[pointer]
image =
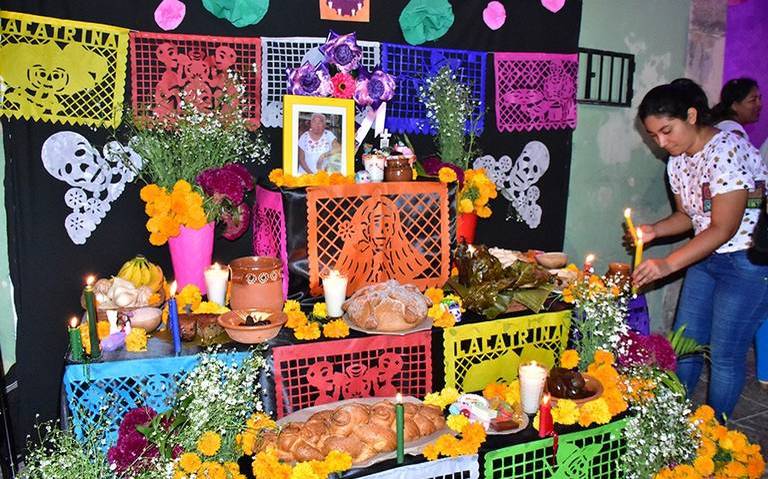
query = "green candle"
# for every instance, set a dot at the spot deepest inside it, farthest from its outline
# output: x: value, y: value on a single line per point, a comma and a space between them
x: 75, y: 343
x: 90, y: 307
x: 399, y: 418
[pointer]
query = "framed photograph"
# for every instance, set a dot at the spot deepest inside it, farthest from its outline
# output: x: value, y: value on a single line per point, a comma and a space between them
x: 318, y: 134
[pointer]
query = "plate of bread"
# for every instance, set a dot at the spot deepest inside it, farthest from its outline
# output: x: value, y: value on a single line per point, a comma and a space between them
x: 388, y: 308
x: 365, y: 428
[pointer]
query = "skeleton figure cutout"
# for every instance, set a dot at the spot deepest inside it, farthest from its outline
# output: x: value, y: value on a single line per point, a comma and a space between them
x: 96, y: 179
x: 377, y: 249
x: 517, y: 181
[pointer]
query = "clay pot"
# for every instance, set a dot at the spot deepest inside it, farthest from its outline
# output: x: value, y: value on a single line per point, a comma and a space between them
x: 398, y: 169
x: 257, y: 283
x: 619, y: 272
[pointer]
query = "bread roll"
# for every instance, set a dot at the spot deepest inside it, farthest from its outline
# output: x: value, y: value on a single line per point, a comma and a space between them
x: 383, y: 414
x: 387, y: 307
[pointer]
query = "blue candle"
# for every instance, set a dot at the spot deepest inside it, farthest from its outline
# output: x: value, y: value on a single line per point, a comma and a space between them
x: 173, y: 320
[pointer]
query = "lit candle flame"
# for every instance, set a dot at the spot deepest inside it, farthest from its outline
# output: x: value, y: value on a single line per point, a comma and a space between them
x: 89, y: 280
x: 399, y: 398
x: 545, y: 398
x: 628, y: 213
x: 215, y: 266
x: 173, y: 289
x: 73, y: 322
x: 590, y: 259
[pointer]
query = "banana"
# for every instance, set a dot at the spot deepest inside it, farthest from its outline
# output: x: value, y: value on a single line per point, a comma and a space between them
x: 140, y: 272
x: 156, y: 277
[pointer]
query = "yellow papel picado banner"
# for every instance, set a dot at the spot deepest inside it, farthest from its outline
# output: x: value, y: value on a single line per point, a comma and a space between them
x: 61, y: 71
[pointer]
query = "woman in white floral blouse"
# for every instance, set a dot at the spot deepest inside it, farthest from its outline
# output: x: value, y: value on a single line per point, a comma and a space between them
x: 718, y: 181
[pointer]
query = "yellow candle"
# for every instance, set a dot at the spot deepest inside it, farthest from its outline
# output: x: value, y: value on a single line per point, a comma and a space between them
x: 639, y: 248
x: 630, y: 225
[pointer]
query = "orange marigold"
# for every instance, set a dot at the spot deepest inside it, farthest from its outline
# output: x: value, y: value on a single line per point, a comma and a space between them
x: 484, y: 212
x: 495, y: 391
x: 336, y: 329
x: 569, y: 359
x: 704, y: 465
x: 276, y: 177
x: 446, y: 175
x: 307, y: 331
x: 151, y: 192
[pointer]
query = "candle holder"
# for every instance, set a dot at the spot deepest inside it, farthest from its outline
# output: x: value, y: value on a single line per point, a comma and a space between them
x: 335, y: 292
x: 216, y: 280
x: 532, y: 378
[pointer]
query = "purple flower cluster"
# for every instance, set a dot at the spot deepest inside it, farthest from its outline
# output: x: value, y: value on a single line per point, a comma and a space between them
x: 227, y: 186
x: 309, y: 80
x: 342, y: 51
x: 132, y: 447
x: 653, y: 350
x: 343, y: 55
x: 374, y: 88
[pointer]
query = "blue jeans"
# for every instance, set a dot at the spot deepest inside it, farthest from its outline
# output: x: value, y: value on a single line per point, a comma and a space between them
x: 761, y: 351
x: 724, y: 299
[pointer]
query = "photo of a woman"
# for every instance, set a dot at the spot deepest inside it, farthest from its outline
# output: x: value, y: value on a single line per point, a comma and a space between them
x: 318, y: 146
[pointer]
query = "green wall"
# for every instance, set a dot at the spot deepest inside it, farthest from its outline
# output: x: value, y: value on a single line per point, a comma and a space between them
x: 612, y: 168
x: 7, y: 314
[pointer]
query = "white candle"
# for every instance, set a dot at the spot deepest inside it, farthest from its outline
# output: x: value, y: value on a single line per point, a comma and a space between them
x: 216, y: 281
x: 532, y: 378
x: 335, y: 292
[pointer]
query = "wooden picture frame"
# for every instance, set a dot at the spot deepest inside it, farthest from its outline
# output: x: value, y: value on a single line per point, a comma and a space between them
x: 318, y: 134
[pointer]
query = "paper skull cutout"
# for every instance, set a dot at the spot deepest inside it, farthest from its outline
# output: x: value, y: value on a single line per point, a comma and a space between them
x: 517, y: 181
x: 96, y: 179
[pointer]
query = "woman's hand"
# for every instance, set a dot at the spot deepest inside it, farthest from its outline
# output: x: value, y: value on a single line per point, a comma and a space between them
x: 648, y: 232
x: 651, y: 270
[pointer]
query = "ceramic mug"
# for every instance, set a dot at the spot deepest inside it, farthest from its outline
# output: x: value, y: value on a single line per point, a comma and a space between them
x: 374, y: 165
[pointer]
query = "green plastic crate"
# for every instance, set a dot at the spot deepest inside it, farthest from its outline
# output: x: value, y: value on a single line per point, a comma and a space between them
x: 588, y: 454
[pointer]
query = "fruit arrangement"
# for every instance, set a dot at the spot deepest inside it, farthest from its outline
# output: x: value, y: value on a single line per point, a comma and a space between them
x: 141, y: 272
x: 138, y: 283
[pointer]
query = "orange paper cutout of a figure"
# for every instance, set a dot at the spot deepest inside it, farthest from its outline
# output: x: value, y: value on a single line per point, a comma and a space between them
x: 378, y: 249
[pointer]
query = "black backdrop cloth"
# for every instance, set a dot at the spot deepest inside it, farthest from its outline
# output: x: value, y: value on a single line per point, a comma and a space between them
x: 48, y: 270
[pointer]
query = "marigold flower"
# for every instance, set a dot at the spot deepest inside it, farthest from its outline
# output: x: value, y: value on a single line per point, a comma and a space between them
x: 434, y: 294
x: 190, y: 462
x: 457, y: 422
x: 336, y: 329
x: 338, y: 461
x: 495, y: 391
x: 569, y: 359
x: 704, y: 465
x: 484, y: 212
x: 446, y: 320
x: 276, y: 177
x: 320, y: 310
x: 565, y: 412
x: 136, y: 340
x: 296, y: 319
x: 209, y: 443
x: 291, y: 305
x: 705, y: 413
x: 307, y: 331
x: 466, y: 206
x: 446, y: 175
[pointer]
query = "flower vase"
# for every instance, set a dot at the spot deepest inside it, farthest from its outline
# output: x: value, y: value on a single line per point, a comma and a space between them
x: 466, y: 225
x: 191, y: 254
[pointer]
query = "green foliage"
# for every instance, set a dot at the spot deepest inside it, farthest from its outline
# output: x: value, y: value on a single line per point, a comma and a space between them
x: 684, y: 346
x: 451, y: 110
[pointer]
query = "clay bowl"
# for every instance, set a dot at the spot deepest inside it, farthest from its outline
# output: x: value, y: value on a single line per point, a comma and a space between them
x: 552, y: 260
x: 146, y: 318
x: 591, y: 384
x: 232, y: 322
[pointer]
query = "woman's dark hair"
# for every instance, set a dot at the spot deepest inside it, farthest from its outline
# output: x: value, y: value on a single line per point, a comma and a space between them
x: 733, y: 91
x: 674, y: 99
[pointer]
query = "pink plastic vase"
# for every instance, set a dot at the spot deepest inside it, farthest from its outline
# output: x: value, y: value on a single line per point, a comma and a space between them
x: 191, y: 254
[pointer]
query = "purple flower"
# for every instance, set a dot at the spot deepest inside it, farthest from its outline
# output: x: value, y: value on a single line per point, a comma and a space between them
x: 374, y: 88
x: 236, y: 222
x: 653, y: 350
x: 135, y: 417
x: 342, y: 51
x: 229, y: 182
x: 433, y: 163
x: 129, y: 449
x: 308, y: 80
